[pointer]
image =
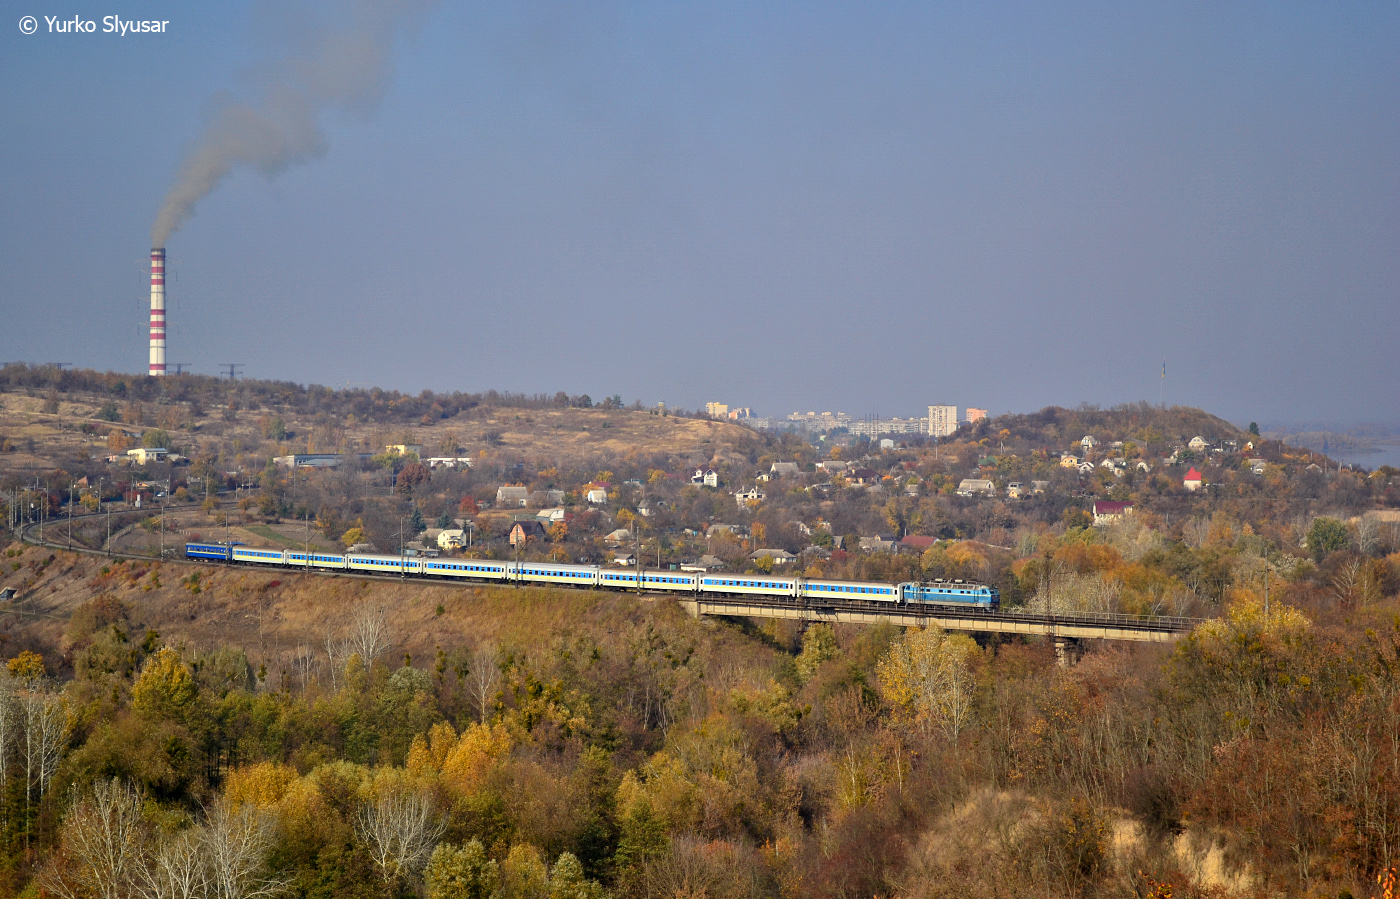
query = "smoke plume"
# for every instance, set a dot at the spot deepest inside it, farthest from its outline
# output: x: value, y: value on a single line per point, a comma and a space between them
x: 341, y: 62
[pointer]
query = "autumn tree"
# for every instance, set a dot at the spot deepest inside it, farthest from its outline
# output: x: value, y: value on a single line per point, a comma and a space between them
x: 462, y: 872
x: 927, y: 678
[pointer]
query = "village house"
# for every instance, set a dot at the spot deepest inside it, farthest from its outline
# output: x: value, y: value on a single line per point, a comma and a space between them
x: 1192, y: 481
x: 752, y: 495
x: 522, y: 532
x: 308, y: 460
x: 976, y: 487
x: 878, y: 543
x: 1197, y: 443
x: 917, y: 543
x: 784, y: 470
x: 706, y: 477
x: 1106, y: 511
x: 779, y: 556
x: 451, y: 538
x: 549, y: 516
x: 449, y: 462
x: 596, y: 494
x: 512, y: 497
x: 144, y: 454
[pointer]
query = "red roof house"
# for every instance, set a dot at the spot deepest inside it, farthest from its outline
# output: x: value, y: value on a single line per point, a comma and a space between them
x: 1192, y: 481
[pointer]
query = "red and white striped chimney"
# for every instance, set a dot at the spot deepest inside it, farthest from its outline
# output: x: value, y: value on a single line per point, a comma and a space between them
x: 158, y: 312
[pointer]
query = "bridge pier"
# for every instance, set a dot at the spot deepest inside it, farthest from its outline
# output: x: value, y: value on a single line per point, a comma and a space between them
x: 1068, y: 651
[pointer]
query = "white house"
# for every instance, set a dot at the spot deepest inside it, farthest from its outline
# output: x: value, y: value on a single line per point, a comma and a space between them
x: 143, y: 454
x: 596, y: 495
x: 1089, y: 441
x: 449, y: 462
x: 451, y: 538
x: 549, y: 516
x: 1197, y: 443
x: 976, y: 487
x: 752, y: 495
x: 706, y: 476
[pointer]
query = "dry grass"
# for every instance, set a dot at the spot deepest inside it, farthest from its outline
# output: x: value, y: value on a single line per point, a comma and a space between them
x: 551, y: 436
x: 274, y: 614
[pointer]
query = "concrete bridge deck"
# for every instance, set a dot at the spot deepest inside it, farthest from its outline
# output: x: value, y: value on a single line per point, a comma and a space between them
x: 1070, y: 627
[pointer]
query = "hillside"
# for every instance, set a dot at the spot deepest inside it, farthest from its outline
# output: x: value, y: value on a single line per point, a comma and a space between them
x: 278, y: 617
x: 1150, y: 426
x: 54, y: 419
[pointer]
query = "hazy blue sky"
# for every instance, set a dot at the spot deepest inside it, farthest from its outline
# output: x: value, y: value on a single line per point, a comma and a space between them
x: 865, y: 207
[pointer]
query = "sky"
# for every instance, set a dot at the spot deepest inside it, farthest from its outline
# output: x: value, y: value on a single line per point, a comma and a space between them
x: 809, y: 206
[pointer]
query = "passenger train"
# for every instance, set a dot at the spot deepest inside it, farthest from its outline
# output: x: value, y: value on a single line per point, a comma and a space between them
x: 943, y: 593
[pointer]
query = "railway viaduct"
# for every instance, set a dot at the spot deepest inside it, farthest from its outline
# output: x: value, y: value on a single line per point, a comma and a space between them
x: 1067, y: 631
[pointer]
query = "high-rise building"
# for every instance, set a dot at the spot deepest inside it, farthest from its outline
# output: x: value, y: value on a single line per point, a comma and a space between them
x: 717, y: 410
x: 975, y: 414
x: 942, y: 420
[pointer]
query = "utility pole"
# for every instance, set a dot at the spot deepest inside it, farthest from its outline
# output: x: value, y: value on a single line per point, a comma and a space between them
x: 402, y: 521
x: 307, y: 555
x: 70, y: 515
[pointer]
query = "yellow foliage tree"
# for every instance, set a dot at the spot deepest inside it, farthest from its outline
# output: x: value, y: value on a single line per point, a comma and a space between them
x: 478, y: 750
x: 927, y: 679
x: 427, y: 755
x: 27, y: 665
x: 166, y: 688
x: 261, y: 786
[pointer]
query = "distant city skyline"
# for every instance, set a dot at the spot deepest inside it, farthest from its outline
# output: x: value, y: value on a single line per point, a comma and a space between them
x: 825, y: 206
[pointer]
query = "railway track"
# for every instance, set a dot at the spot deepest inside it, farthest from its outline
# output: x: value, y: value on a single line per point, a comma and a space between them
x: 1082, y: 626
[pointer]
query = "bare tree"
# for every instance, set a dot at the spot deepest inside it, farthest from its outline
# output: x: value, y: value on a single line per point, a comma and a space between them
x: 45, y: 731
x: 10, y: 723
x: 177, y: 869
x: 337, y: 653
x: 104, y: 838
x: 484, y: 678
x: 1370, y: 535
x: 1355, y: 584
x: 304, y: 661
x: 400, y: 830
x: 236, y: 844
x: 369, y: 632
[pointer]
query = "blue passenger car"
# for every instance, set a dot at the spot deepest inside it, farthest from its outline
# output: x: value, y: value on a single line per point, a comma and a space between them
x: 221, y: 551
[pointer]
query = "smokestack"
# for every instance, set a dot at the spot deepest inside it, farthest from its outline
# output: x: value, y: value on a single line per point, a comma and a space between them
x: 158, y: 312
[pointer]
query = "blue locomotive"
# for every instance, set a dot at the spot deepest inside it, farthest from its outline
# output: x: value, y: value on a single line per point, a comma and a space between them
x: 965, y: 594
